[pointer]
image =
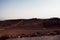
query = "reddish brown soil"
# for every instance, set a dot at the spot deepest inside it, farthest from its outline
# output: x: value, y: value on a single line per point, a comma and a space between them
x: 29, y: 26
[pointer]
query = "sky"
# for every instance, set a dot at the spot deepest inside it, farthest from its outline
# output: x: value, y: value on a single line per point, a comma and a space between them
x: 23, y: 9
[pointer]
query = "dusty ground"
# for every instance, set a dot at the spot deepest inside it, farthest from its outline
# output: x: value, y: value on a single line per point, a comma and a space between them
x: 56, y: 37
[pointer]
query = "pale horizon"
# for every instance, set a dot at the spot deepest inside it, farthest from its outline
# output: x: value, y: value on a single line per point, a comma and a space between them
x: 25, y: 9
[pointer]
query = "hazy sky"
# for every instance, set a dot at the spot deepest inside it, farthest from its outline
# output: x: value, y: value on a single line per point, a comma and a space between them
x: 11, y: 9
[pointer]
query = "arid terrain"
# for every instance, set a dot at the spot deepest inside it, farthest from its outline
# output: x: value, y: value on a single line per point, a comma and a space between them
x: 56, y: 37
x: 30, y: 27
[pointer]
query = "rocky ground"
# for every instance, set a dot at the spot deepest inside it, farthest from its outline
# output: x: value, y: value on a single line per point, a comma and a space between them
x: 56, y: 37
x: 30, y: 28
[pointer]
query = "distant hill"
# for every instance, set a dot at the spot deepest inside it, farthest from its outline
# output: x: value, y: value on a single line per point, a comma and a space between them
x: 33, y: 23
